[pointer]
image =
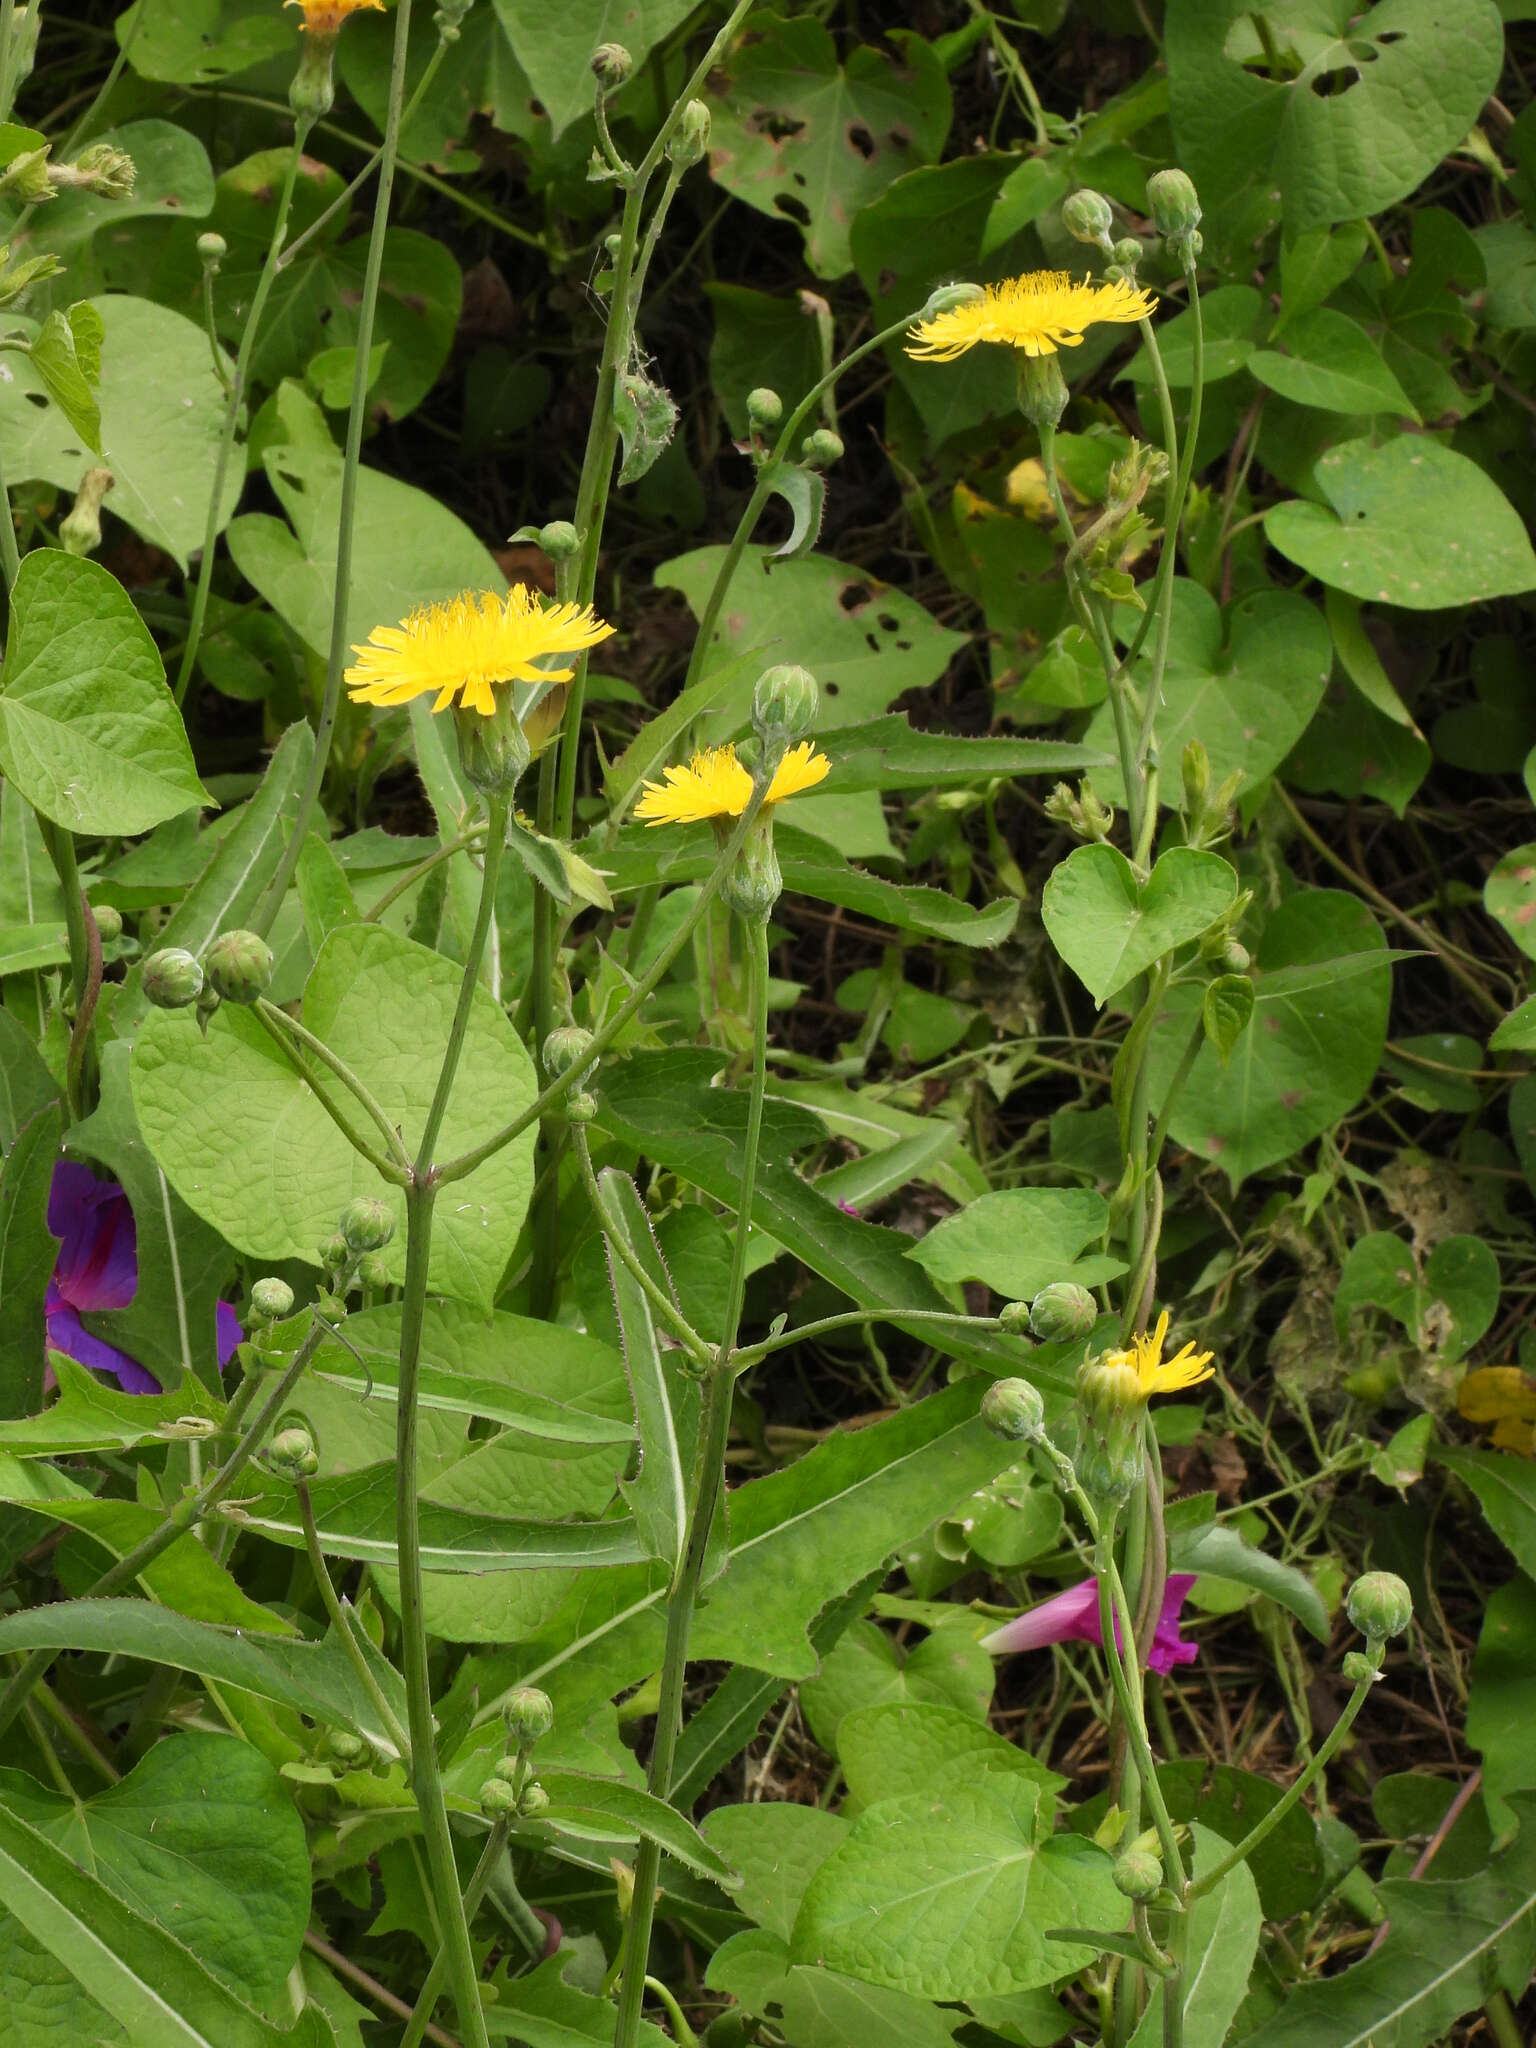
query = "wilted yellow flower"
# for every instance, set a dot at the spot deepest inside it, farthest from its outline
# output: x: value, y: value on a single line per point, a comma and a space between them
x: 1144, y: 1359
x: 1039, y: 313
x: 324, y: 17
x: 463, y: 649
x: 716, y: 785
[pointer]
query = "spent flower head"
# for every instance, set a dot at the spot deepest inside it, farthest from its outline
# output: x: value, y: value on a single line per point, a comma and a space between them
x: 465, y: 649
x: 1037, y: 314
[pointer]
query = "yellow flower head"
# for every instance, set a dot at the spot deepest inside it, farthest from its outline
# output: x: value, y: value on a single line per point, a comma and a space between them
x: 1144, y: 1358
x: 324, y: 17
x: 716, y: 785
x: 1038, y: 314
x: 463, y: 649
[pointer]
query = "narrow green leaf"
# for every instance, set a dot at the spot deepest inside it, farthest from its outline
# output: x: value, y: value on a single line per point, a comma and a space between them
x: 28, y: 1250
x: 658, y: 1495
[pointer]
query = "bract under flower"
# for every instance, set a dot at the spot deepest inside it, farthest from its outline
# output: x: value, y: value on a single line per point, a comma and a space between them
x: 1039, y: 313
x: 715, y: 784
x: 1073, y: 1617
x: 468, y: 647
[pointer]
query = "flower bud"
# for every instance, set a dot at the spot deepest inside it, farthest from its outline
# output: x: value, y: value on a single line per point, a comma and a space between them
x: 212, y: 249
x: 1127, y: 253
x: 1235, y: 957
x: 373, y: 1272
x: 271, y: 1300
x: 1173, y: 204
x: 101, y: 169
x: 1014, y: 1317
x: 1360, y: 1668
x: 559, y: 540
x: 497, y: 1798
x: 366, y: 1224
x: 765, y: 408
x: 1379, y: 1605
x: 1086, y: 216
x: 109, y: 922
x: 512, y: 1768
x: 532, y: 1801
x: 293, y: 1451
x: 611, y: 65
x: 753, y: 883
x: 1137, y: 1874
x: 581, y: 1107
x: 565, y: 1050
x: 529, y: 1715
x: 345, y: 1747
x: 691, y: 137
x: 172, y: 979
x: 784, y: 706
x: 80, y: 528
x: 1042, y: 391
x: 821, y: 449
x: 239, y: 966
x: 1063, y: 1312
x: 1013, y: 1410
x: 334, y: 1253
x: 26, y: 179
x: 946, y: 297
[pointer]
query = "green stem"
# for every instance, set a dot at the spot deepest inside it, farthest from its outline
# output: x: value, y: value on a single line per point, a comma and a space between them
x: 346, y: 519
x: 285, y: 1045
x: 762, y: 490
x: 456, y: 1169
x: 757, y: 1003
x: 805, y: 1333
x: 232, y: 408
x: 1125, y: 1677
x: 715, y: 1431
x: 184, y: 1516
x: 1327, y: 1749
x: 7, y: 45
x: 420, y: 1198
x: 279, y: 1020
x: 470, y: 837
x: 426, y: 1778
x: 474, y: 1892
x: 343, y: 1623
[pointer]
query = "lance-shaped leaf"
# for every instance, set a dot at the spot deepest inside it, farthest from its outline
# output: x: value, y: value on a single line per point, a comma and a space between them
x: 91, y: 1415
x: 658, y: 1494
x: 27, y: 1253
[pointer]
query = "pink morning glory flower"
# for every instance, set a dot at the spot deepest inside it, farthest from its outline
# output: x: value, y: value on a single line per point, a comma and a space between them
x: 98, y: 1268
x: 1073, y: 1617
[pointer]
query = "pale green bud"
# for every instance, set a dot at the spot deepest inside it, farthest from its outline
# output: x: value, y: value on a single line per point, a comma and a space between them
x: 611, y: 65
x: 1379, y: 1605
x: 946, y: 297
x: 691, y: 139
x: 1086, y: 216
x: 566, y: 1049
x: 1359, y: 1668
x: 785, y: 702
x: 821, y: 449
x: 1063, y: 1312
x: 1013, y: 1410
x: 529, y: 1715
x: 1137, y: 1874
x: 1173, y: 204
x: 533, y: 1801
x: 765, y: 408
x: 293, y: 1451
x: 497, y: 1798
x: 172, y: 979
x: 366, y: 1224
x: 239, y: 966
x: 271, y: 1300
x: 212, y: 249
x: 109, y: 922
x: 559, y: 540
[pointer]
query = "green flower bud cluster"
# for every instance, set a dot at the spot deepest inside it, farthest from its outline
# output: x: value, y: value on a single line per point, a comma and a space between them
x: 1085, y: 815
x: 292, y: 1452
x: 351, y: 1256
x: 511, y: 1790
x: 237, y: 968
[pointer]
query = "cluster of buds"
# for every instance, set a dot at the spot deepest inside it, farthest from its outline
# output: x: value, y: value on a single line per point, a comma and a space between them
x: 341, y: 1751
x: 1059, y: 1314
x: 236, y: 968
x: 1122, y: 531
x: 292, y: 1452
x: 1207, y: 809
x: 512, y: 1792
x: 1085, y: 815
x: 1175, y: 208
x: 351, y: 1256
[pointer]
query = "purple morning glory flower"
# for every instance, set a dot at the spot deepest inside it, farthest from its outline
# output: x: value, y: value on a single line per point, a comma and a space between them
x: 1073, y: 1617
x: 98, y: 1268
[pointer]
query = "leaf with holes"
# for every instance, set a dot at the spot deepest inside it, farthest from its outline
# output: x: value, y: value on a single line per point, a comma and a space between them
x: 803, y: 138
x: 1444, y: 1310
x: 1412, y: 523
x: 1365, y: 105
